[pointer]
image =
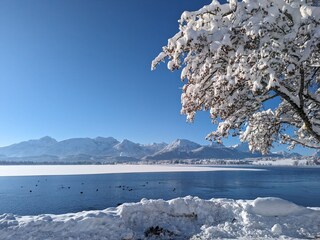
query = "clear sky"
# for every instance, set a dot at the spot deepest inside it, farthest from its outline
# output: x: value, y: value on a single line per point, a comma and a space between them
x: 81, y: 68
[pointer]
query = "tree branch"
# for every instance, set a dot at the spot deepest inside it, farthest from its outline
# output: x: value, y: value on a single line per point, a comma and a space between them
x: 300, y: 112
x: 299, y: 142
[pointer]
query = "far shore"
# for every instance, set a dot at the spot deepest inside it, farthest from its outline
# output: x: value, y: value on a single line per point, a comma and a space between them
x: 50, y: 170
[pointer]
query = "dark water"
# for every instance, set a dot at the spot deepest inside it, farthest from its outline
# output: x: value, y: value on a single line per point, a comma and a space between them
x: 62, y: 194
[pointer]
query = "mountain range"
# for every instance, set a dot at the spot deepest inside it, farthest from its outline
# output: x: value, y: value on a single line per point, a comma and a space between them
x: 100, y: 148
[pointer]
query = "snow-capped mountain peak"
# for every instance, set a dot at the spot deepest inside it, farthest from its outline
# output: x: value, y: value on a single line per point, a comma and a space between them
x: 126, y: 144
x: 112, y: 148
x: 216, y: 145
x: 243, y: 147
x: 46, y: 140
x: 182, y: 145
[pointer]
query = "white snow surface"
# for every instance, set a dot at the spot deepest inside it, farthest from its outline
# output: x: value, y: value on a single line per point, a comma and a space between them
x: 275, y: 207
x: 46, y: 170
x: 281, y: 162
x: 180, y: 218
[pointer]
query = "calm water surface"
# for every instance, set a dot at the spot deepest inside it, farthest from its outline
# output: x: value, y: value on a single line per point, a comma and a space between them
x: 63, y: 194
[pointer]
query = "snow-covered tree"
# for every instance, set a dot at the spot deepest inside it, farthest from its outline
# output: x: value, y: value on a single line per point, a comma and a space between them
x: 237, y: 56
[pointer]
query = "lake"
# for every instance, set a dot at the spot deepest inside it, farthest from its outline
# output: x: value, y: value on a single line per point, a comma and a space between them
x: 32, y: 195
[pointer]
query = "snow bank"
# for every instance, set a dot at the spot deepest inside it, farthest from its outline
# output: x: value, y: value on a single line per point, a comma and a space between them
x: 275, y: 207
x: 180, y: 218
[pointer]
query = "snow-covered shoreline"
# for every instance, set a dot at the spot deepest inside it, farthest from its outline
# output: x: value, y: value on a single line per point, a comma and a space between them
x: 47, y: 170
x: 180, y: 218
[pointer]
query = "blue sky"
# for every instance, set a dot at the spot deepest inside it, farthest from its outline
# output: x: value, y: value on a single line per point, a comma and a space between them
x: 82, y: 69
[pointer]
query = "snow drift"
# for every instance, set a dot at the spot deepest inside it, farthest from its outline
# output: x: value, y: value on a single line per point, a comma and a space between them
x: 180, y: 218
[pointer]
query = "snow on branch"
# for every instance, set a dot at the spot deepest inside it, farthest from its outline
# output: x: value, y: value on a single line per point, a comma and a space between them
x: 236, y: 56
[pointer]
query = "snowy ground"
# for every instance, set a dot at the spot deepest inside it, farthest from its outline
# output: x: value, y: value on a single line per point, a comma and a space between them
x: 282, y: 162
x: 181, y: 218
x: 46, y: 170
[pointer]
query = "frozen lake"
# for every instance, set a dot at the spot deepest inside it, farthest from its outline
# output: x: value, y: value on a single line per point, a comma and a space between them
x: 27, y: 195
x: 49, y: 170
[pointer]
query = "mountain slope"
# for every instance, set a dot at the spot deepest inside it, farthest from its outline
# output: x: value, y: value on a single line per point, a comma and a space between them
x: 179, y: 149
x: 243, y: 147
x: 29, y: 148
x: 218, y: 153
x: 185, y: 149
x: 127, y: 148
x: 100, y: 146
x: 181, y: 145
x: 75, y: 146
x: 108, y: 148
x: 130, y: 149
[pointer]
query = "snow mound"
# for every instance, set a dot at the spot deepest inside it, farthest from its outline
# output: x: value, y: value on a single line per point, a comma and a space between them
x: 275, y: 207
x: 180, y: 218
